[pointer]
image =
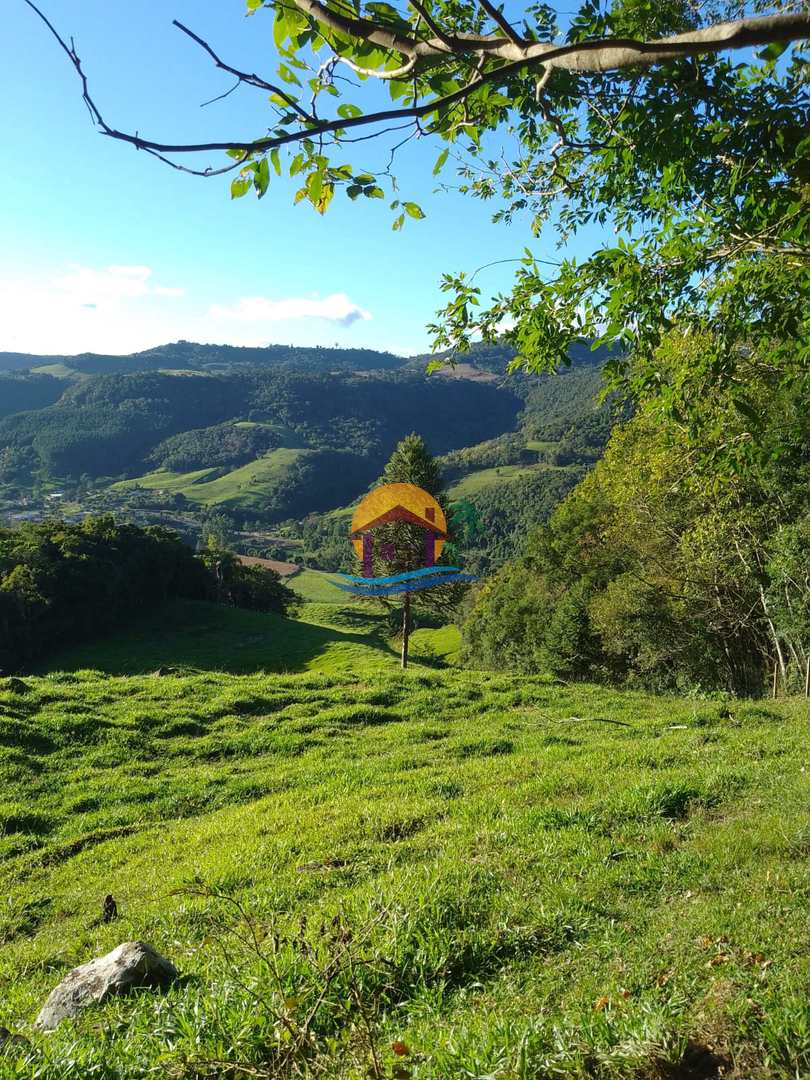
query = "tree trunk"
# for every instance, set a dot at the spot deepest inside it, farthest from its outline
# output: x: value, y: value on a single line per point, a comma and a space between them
x: 779, y: 655
x: 406, y: 629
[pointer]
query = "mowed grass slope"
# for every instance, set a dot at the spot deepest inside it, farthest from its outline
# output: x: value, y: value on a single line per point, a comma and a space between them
x: 248, y: 485
x: 481, y: 479
x: 434, y: 874
x: 192, y: 635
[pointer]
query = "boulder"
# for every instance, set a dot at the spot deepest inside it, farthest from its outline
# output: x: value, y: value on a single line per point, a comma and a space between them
x: 132, y: 965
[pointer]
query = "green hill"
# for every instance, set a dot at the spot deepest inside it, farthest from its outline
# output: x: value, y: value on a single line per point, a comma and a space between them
x: 201, y: 636
x: 249, y: 486
x: 434, y: 874
x: 188, y: 355
x: 480, y: 479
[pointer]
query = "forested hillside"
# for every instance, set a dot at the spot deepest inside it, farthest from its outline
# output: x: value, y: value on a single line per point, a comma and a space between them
x: 115, y: 424
x: 63, y: 583
x: 678, y: 562
x: 22, y: 391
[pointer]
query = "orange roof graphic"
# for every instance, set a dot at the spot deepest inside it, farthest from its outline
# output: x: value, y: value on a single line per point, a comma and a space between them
x: 398, y: 502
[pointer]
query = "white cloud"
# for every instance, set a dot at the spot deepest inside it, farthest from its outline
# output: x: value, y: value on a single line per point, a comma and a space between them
x: 86, y: 285
x: 115, y: 309
x: 121, y: 309
x: 337, y: 308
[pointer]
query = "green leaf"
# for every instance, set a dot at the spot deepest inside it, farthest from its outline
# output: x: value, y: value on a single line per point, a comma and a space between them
x: 747, y: 409
x: 281, y: 27
x: 440, y: 160
x: 288, y: 76
x: 773, y: 51
x: 374, y: 193
x: 398, y: 223
x: 261, y: 179
x: 253, y: 5
x: 315, y: 186
x: 276, y: 160
x: 324, y: 197
x: 348, y: 111
x: 414, y: 211
x: 239, y: 187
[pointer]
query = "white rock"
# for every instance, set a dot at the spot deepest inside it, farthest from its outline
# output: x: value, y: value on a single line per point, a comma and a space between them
x: 133, y: 964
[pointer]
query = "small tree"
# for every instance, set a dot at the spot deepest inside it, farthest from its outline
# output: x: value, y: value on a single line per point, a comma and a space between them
x: 401, y: 545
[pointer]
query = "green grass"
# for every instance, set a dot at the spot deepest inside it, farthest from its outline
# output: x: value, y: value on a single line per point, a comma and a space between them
x: 195, y: 636
x: 248, y: 486
x: 164, y: 480
x: 442, y: 644
x: 505, y: 877
x: 477, y: 481
x: 541, y: 444
x: 316, y: 585
x: 59, y: 371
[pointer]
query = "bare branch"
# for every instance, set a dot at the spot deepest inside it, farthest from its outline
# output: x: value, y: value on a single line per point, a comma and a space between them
x: 243, y: 76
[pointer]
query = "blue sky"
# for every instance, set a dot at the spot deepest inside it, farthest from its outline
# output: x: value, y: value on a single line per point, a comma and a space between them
x: 104, y: 249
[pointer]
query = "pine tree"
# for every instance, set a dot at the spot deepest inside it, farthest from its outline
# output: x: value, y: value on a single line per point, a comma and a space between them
x: 410, y: 463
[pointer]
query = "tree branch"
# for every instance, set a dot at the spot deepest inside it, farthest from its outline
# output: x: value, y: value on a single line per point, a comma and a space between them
x: 604, y: 54
x: 243, y: 76
x: 498, y: 18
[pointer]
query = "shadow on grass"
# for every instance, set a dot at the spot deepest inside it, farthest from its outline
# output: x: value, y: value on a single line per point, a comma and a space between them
x: 196, y: 636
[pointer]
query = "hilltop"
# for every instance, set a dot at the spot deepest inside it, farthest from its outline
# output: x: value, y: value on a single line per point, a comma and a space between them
x: 360, y: 871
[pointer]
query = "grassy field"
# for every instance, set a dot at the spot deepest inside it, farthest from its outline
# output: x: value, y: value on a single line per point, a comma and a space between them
x: 426, y: 875
x: 248, y: 485
x: 477, y: 481
x: 195, y: 636
x: 316, y: 585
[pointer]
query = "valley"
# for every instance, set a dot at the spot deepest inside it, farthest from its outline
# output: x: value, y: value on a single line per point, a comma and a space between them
x: 265, y: 447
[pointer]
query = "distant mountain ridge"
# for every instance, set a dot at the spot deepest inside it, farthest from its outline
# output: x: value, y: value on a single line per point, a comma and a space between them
x: 192, y: 356
x: 266, y: 436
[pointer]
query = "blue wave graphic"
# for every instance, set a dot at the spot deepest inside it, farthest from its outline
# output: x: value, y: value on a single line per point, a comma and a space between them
x: 374, y: 586
x: 407, y: 575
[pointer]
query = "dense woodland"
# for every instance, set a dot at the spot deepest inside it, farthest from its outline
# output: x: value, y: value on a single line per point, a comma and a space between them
x: 95, y: 429
x: 673, y: 563
x: 63, y: 583
x: 676, y: 563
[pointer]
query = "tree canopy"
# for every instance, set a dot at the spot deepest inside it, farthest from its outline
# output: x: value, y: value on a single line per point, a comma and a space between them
x: 655, y: 572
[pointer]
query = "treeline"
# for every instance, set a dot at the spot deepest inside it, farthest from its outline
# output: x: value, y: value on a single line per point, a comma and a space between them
x: 508, y: 512
x: 682, y: 561
x: 61, y: 583
x: 227, y: 445
x: 498, y: 520
x: 509, y: 449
